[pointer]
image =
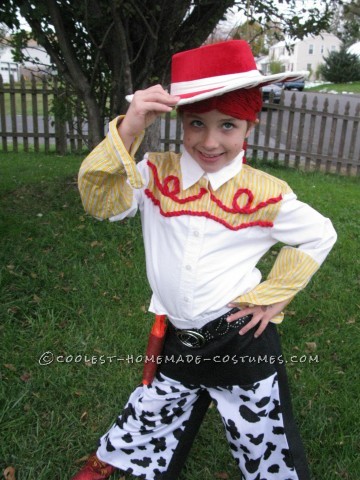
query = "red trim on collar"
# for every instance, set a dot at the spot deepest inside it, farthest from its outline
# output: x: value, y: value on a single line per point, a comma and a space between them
x: 170, y: 187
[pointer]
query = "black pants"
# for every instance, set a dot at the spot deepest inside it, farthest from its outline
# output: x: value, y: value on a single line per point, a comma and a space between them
x: 246, y: 379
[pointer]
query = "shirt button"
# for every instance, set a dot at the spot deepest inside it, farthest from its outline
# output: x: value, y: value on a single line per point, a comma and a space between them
x: 196, y: 233
x: 188, y: 267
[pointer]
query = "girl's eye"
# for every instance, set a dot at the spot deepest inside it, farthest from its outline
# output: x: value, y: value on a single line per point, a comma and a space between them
x: 228, y: 126
x: 197, y: 123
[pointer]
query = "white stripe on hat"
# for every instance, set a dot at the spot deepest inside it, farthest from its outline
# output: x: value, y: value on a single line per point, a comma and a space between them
x: 220, y: 81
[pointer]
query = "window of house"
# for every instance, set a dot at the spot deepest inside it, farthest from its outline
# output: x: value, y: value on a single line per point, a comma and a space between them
x: 322, y: 49
x: 333, y: 48
x: 308, y: 66
x: 311, y: 49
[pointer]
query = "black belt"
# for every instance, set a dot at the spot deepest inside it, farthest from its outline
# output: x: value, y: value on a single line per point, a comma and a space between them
x: 198, y: 337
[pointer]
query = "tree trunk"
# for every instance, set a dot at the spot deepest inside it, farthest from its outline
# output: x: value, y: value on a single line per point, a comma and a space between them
x: 151, y: 142
x: 95, y: 122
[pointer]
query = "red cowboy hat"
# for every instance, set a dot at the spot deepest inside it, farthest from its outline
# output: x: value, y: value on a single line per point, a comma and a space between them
x: 215, y: 69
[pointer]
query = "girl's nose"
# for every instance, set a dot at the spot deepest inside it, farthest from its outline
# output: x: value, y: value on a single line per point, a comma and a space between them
x: 210, y: 141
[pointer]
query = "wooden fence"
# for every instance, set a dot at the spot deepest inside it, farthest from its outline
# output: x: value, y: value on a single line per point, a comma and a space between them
x: 301, y: 130
x: 30, y: 118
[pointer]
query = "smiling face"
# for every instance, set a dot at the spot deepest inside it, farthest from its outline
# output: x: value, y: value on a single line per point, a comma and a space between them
x: 213, y: 138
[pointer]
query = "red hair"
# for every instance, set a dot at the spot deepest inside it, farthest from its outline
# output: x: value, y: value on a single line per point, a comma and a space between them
x: 243, y: 103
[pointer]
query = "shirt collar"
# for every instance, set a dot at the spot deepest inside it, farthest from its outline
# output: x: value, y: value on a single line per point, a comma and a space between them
x: 191, y: 172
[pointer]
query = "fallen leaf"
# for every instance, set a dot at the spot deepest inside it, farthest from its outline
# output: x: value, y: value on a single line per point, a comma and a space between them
x: 222, y: 475
x: 95, y: 243
x: 13, y: 309
x: 84, y: 416
x: 350, y: 321
x: 311, y: 346
x: 9, y: 473
x: 82, y: 459
x: 36, y: 299
x: 10, y: 366
x: 25, y: 377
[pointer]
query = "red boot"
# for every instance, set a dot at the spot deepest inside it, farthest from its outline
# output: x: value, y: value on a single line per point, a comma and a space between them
x: 94, y: 469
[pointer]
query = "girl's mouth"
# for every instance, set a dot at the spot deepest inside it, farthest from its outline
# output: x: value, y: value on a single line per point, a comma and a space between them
x: 209, y: 157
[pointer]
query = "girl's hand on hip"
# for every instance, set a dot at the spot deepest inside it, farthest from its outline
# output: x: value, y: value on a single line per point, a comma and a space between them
x: 262, y: 314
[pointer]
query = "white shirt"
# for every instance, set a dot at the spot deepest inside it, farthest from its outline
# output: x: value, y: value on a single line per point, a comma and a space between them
x: 195, y: 266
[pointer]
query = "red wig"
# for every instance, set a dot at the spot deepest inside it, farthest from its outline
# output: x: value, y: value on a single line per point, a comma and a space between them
x: 244, y: 104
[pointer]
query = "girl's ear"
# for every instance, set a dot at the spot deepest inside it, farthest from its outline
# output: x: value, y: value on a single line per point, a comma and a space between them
x: 250, y: 126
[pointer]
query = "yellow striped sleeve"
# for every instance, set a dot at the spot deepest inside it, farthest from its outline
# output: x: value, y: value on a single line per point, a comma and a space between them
x: 291, y: 272
x: 103, y: 176
x: 122, y: 155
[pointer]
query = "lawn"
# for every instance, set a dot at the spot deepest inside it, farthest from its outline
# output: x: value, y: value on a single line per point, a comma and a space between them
x: 76, y: 287
x: 351, y: 87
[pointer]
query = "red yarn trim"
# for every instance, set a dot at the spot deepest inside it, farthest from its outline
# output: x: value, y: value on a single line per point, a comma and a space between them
x: 170, y: 187
x: 165, y: 187
x: 256, y: 223
x: 247, y: 209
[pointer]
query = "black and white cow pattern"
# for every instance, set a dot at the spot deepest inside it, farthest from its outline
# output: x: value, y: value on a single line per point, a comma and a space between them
x: 146, y: 434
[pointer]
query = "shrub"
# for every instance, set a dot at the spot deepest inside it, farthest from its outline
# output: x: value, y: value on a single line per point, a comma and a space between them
x: 341, y: 67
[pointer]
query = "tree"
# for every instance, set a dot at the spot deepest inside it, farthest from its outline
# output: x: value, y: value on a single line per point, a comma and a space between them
x: 253, y: 33
x: 346, y: 22
x: 276, y: 66
x: 351, y: 32
x: 106, y: 49
x: 341, y: 67
x: 3, y: 34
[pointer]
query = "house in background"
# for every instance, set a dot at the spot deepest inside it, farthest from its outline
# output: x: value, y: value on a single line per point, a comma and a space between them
x: 7, y: 65
x: 354, y: 49
x: 306, y: 54
x: 38, y: 63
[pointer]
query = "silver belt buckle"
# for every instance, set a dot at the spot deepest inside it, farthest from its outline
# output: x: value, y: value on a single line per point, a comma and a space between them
x: 190, y: 338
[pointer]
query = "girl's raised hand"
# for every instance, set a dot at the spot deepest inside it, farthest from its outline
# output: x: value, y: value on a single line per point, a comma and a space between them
x: 144, y: 108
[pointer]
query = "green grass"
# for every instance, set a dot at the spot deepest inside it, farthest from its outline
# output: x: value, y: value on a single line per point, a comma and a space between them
x: 77, y: 287
x: 351, y: 87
